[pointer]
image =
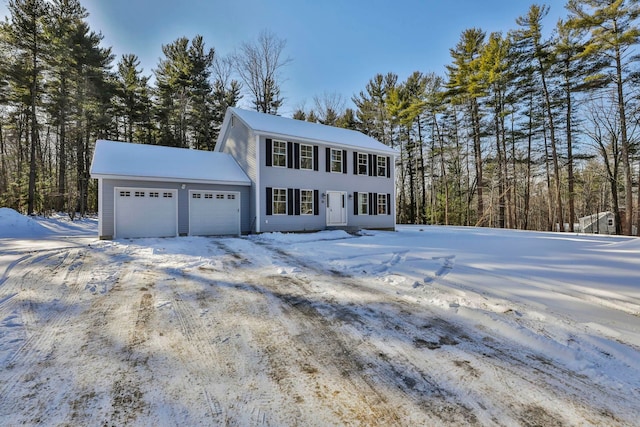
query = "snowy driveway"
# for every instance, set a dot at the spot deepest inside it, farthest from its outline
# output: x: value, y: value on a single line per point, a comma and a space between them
x: 421, y: 327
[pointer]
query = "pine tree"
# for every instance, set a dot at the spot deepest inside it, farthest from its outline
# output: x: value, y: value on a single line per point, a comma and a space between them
x: 466, y: 88
x: 133, y: 97
x: 612, y: 33
x: 28, y: 41
x: 530, y: 38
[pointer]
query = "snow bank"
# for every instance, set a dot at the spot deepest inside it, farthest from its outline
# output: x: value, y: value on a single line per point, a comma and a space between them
x: 14, y: 224
x: 278, y: 237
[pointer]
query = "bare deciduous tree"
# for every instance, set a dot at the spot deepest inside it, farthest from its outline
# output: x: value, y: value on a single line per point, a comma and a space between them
x: 259, y: 65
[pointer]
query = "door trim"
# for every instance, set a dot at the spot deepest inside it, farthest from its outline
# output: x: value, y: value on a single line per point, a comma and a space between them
x: 343, y: 209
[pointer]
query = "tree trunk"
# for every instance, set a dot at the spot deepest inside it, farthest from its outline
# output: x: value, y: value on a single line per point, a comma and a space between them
x: 554, y: 151
x: 477, y: 150
x: 625, y: 149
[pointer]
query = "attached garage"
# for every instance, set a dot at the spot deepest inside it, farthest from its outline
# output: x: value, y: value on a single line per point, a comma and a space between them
x: 214, y: 213
x: 156, y: 191
x: 145, y: 212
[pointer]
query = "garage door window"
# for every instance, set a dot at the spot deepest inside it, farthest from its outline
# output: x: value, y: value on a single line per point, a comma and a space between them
x: 196, y: 195
x: 125, y: 194
x: 139, y: 193
x: 231, y: 196
x: 167, y: 195
x: 154, y: 194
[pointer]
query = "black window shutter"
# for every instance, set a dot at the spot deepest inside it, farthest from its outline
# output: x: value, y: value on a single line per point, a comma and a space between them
x: 344, y: 161
x: 316, y: 208
x: 370, y: 164
x: 315, y: 157
x: 355, y: 203
x: 328, y: 159
x: 269, y: 201
x: 355, y: 163
x: 290, y: 155
x: 371, y: 204
x: 297, y: 201
x: 375, y: 203
x: 296, y: 155
x: 289, y: 201
x: 388, y: 167
x: 269, y: 152
x: 388, y: 204
x: 375, y: 165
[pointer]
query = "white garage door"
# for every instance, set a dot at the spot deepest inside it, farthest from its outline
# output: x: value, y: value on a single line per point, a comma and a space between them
x: 214, y: 213
x: 146, y: 212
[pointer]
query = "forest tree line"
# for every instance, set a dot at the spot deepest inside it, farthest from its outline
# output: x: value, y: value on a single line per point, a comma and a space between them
x: 528, y: 129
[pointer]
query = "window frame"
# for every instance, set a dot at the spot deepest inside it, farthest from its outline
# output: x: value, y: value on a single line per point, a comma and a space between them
x: 336, y: 159
x: 363, y: 167
x: 275, y: 202
x: 279, y: 156
x: 303, y: 157
x: 363, y: 203
x: 381, y: 172
x: 381, y: 204
x: 309, y: 203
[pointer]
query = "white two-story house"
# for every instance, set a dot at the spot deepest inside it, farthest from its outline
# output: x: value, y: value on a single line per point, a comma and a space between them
x: 267, y: 173
x: 308, y: 176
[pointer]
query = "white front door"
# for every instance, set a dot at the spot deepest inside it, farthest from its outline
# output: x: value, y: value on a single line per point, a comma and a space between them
x: 336, y: 208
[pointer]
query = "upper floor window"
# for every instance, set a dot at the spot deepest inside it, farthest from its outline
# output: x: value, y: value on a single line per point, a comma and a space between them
x: 363, y: 164
x: 306, y: 156
x: 336, y: 160
x: 279, y: 153
x: 382, y: 166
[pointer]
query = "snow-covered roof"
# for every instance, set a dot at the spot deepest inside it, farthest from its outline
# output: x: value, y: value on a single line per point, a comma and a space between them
x: 126, y: 160
x: 284, y: 127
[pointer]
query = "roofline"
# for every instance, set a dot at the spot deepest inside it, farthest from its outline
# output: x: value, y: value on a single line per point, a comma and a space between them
x: 263, y: 132
x: 168, y: 179
x: 389, y: 152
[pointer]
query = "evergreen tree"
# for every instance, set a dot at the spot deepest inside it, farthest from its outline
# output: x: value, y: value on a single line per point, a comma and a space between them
x: 132, y: 98
x: 613, y: 32
x: 28, y: 41
x: 466, y: 88
x: 530, y: 39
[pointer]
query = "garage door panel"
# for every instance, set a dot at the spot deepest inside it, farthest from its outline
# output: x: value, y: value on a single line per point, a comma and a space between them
x: 144, y: 212
x: 214, y: 213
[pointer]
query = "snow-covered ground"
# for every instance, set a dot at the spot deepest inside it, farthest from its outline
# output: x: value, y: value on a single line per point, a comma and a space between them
x: 424, y: 326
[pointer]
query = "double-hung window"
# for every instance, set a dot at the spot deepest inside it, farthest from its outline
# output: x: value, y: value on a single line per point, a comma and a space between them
x: 336, y: 160
x: 306, y: 202
x: 382, y: 166
x: 306, y: 156
x: 363, y: 163
x: 363, y: 203
x: 382, y: 204
x: 279, y: 154
x: 279, y: 201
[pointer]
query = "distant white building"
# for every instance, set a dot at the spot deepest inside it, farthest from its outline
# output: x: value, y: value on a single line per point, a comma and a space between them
x: 598, y: 223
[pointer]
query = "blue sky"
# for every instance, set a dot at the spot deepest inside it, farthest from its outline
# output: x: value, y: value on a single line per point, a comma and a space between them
x: 336, y: 46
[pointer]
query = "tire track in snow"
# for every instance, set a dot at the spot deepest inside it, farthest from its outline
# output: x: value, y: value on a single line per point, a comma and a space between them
x: 42, y: 318
x: 408, y: 370
x: 208, y: 362
x: 325, y: 341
